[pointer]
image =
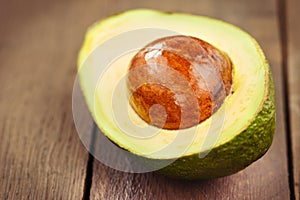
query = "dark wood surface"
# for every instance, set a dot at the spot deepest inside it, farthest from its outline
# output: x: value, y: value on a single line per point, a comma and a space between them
x: 293, y: 84
x: 41, y: 156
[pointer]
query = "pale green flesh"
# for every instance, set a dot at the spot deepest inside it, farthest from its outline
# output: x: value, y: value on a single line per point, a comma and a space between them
x: 250, y: 85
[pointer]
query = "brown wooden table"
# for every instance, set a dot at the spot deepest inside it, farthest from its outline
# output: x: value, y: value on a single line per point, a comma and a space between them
x: 41, y: 156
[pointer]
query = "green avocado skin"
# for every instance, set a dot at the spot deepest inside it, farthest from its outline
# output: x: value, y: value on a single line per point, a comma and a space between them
x: 235, y: 155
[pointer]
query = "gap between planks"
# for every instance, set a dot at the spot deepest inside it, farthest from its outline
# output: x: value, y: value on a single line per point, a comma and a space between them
x: 89, y: 167
x: 282, y: 18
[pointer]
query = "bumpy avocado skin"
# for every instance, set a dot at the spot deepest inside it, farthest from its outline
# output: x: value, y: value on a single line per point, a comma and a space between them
x: 235, y: 155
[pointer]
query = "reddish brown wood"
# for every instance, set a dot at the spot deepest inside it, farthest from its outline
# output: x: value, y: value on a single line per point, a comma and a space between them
x: 293, y: 68
x: 41, y: 156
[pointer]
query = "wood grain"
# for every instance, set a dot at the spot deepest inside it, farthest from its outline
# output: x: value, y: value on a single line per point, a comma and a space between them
x: 293, y: 44
x: 266, y: 178
x: 41, y: 156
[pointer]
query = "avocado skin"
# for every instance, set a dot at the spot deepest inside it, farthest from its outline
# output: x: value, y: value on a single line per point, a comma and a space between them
x: 234, y: 155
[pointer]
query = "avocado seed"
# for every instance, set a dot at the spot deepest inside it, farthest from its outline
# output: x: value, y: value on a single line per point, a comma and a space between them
x: 179, y: 73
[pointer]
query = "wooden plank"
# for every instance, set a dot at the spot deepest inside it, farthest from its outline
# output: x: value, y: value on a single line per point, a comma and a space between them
x: 293, y: 44
x: 266, y: 178
x: 41, y: 156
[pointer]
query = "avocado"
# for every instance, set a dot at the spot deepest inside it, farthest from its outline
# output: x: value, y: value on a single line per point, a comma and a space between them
x: 238, y: 132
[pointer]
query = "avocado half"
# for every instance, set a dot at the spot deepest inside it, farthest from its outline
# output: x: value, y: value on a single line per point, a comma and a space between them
x: 239, y: 133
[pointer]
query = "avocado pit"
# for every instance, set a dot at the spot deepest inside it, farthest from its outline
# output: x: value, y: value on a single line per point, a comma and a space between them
x: 194, y: 68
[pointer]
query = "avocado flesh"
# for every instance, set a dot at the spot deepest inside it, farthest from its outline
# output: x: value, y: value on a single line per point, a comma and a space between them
x: 245, y: 122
